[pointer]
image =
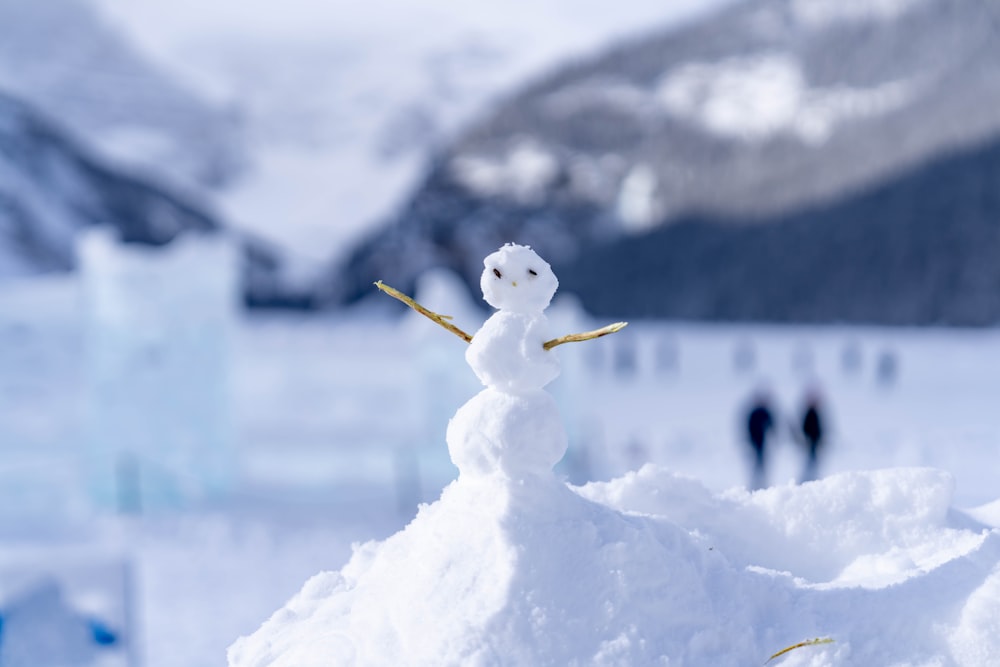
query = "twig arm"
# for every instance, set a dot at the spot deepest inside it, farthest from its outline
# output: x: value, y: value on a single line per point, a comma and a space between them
x: 587, y: 335
x: 440, y: 319
x: 810, y: 642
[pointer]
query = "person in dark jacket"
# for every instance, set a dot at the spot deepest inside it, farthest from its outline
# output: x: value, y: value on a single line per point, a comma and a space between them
x: 812, y: 435
x: 760, y: 421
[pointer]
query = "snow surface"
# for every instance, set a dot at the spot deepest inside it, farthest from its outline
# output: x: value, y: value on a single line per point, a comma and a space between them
x: 654, y: 569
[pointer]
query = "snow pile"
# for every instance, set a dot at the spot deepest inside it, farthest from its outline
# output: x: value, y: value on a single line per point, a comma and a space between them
x: 512, y: 566
x: 531, y: 572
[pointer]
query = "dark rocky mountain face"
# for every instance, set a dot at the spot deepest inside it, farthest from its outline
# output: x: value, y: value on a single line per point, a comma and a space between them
x: 920, y: 249
x: 789, y: 160
x: 50, y: 188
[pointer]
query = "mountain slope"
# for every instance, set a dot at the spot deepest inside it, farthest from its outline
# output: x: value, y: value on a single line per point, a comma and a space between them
x: 50, y: 188
x: 64, y: 58
x: 776, y: 118
x: 919, y: 249
x: 341, y: 102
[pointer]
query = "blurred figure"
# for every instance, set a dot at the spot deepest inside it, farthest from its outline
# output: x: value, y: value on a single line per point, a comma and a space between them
x: 626, y: 357
x: 760, y: 421
x: 811, y: 434
x: 850, y: 358
x: 668, y: 356
x: 887, y: 368
x: 744, y: 356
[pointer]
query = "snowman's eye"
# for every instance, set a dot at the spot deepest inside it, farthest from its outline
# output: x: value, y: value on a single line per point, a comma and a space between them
x: 496, y: 272
x: 532, y: 272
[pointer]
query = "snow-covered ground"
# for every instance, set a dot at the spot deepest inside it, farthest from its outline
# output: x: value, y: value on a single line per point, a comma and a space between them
x: 340, y: 426
x: 871, y: 565
x: 343, y: 102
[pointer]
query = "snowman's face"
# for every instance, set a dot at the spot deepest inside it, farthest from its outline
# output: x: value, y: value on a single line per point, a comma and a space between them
x: 515, y: 278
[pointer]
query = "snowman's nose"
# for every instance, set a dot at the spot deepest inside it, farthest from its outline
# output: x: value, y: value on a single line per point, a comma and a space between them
x: 514, y: 283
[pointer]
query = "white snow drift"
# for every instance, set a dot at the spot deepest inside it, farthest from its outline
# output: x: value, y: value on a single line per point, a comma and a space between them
x: 513, y: 567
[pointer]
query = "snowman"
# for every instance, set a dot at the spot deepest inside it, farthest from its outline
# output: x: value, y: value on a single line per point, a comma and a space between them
x: 512, y: 427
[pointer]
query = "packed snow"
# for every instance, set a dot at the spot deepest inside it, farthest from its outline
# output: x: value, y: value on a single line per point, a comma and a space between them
x: 513, y: 566
x: 654, y: 569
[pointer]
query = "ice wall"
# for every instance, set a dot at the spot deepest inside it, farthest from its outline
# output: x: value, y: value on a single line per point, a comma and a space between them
x: 158, y: 327
x: 39, y: 395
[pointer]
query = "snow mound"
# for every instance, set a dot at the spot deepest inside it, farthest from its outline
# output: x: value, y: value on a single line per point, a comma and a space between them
x: 654, y: 569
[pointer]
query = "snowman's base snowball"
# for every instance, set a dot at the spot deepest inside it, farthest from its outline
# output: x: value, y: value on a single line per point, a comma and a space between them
x: 518, y: 435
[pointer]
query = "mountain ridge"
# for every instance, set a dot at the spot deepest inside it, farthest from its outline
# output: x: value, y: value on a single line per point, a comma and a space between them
x: 768, y: 109
x: 947, y: 244
x: 51, y: 186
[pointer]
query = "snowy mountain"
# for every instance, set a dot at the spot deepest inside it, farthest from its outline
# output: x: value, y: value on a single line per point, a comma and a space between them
x: 51, y: 187
x: 781, y: 160
x: 64, y: 58
x: 342, y: 102
x: 920, y: 248
x: 92, y: 132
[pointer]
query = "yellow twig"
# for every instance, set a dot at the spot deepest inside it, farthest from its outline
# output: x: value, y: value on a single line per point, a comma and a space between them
x: 810, y: 642
x: 440, y: 319
x: 588, y: 335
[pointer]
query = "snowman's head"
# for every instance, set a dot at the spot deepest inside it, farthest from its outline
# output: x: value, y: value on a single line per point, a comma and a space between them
x: 515, y: 278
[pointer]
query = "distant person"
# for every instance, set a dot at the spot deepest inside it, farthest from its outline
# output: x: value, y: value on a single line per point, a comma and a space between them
x: 811, y: 435
x: 626, y: 362
x: 887, y: 368
x: 744, y: 356
x: 667, y: 356
x: 850, y: 358
x: 760, y: 421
